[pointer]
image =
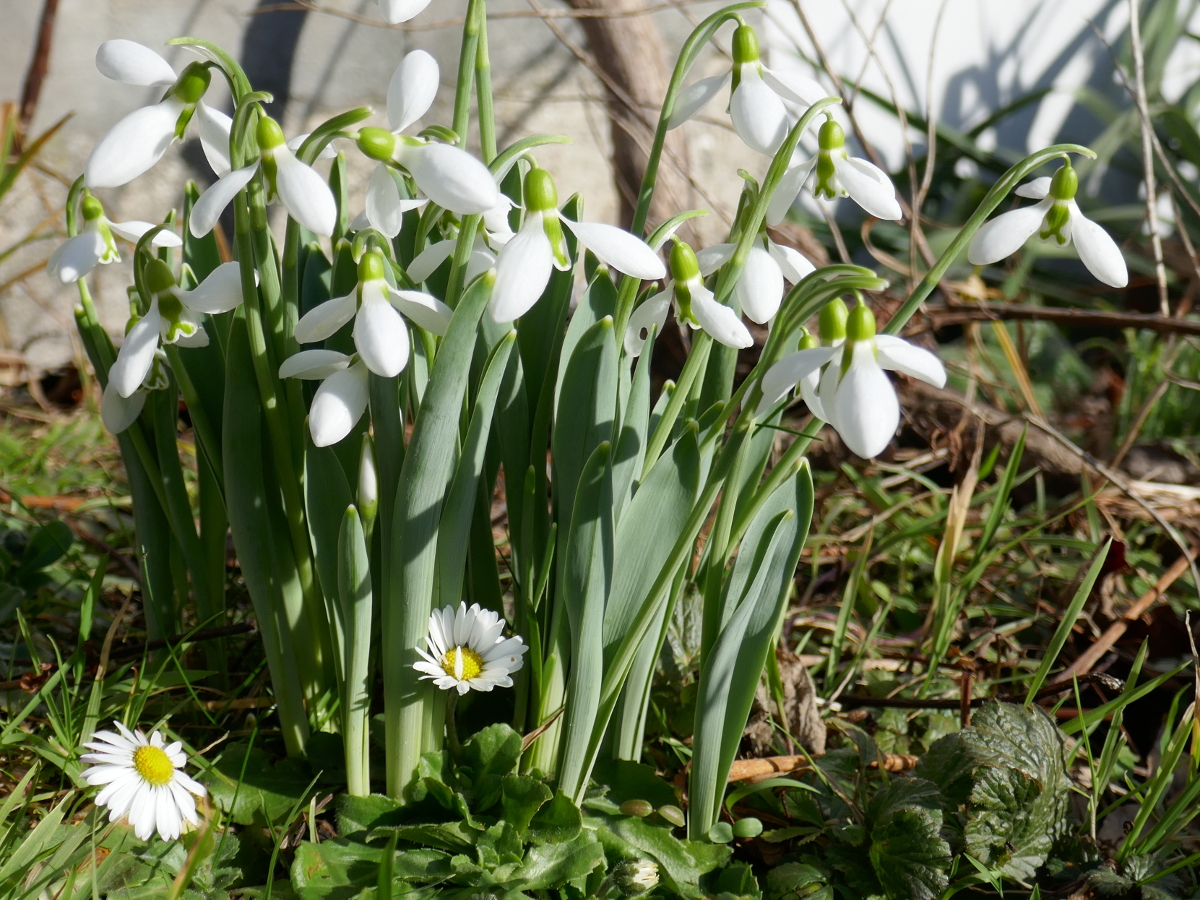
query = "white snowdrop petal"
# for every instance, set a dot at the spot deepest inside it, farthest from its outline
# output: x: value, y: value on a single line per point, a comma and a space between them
x: 794, y: 87
x: 450, y: 176
x: 1038, y: 189
x: 213, y: 201
x: 380, y: 336
x: 759, y: 116
x: 721, y: 322
x: 827, y: 387
x: 133, y: 63
x: 759, y: 289
x: 337, y: 406
x: 412, y: 90
x: 794, y: 264
x: 132, y: 231
x: 480, y: 260
x: 868, y: 186
x: 214, y: 127
x: 712, y: 258
x: 397, y: 11
x: 522, y: 271
x: 695, y: 97
x: 1098, y: 251
x: 305, y: 194
x: 1006, y: 234
x: 325, y: 319
x: 867, y: 412
x: 424, y: 309
x: 133, y: 145
x: 809, y: 386
x: 117, y: 412
x: 787, y: 191
x: 495, y: 220
x: 901, y: 356
x: 619, y: 249
x: 136, y: 354
x: 327, y: 152
x: 651, y: 314
x: 220, y: 292
x: 76, y: 256
x: 427, y: 261
x: 788, y: 372
x: 313, y: 364
x: 383, y: 202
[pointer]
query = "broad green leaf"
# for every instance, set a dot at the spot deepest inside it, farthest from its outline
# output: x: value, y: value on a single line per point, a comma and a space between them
x: 909, y: 855
x: 1021, y: 738
x: 267, y: 791
x: 681, y: 863
x: 630, y: 454
x: 357, y: 814
x: 1012, y: 822
x: 554, y: 865
x: 557, y: 821
x: 796, y: 881
x: 599, y: 300
x: 491, y: 754
x: 520, y: 799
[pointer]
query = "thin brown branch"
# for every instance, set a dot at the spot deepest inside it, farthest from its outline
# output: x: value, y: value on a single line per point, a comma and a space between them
x: 35, y: 75
x: 958, y: 315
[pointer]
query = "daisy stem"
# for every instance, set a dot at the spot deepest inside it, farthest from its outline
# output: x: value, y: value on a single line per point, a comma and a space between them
x: 991, y: 200
x: 452, y: 728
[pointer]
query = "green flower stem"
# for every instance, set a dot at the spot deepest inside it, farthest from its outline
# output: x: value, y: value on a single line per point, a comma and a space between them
x: 483, y: 91
x: 208, y: 445
x: 458, y: 263
x: 696, y: 363
x: 468, y: 54
x: 991, y: 200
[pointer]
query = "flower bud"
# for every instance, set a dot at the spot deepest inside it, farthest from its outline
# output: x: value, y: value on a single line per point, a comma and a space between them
x: 745, y: 45
x: 832, y: 321
x: 860, y: 325
x: 368, y: 480
x: 636, y: 876
x: 377, y: 143
x: 371, y: 267
x: 639, y: 808
x: 540, y: 193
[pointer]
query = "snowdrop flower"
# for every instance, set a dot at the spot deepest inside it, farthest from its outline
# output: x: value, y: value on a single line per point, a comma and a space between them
x: 756, y: 104
x: 832, y: 173
x: 759, y: 288
x: 297, y: 186
x: 144, y: 781
x: 1057, y: 216
x: 856, y: 397
x: 380, y: 335
x: 173, y: 318
x: 467, y: 650
x: 449, y: 176
x: 694, y: 304
x: 495, y: 233
x: 525, y: 262
x: 341, y: 399
x: 94, y: 245
x: 139, y: 140
x: 117, y: 412
x: 397, y: 11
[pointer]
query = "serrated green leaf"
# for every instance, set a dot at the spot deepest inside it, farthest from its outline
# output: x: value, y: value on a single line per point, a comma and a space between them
x: 796, y: 881
x: 948, y: 765
x: 1012, y: 821
x: 1015, y: 737
x: 908, y: 853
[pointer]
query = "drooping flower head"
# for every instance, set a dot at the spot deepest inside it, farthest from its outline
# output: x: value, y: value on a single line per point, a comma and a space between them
x: 525, y: 262
x: 95, y: 245
x: 139, y: 140
x: 144, y: 781
x: 173, y: 317
x: 759, y: 288
x: 467, y: 650
x: 342, y: 397
x: 695, y: 305
x: 1056, y: 216
x: 379, y: 312
x: 833, y: 173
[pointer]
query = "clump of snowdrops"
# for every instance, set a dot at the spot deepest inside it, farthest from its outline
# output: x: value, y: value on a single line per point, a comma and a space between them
x: 360, y: 382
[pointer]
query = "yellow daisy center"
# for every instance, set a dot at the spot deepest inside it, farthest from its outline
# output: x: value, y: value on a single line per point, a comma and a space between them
x: 153, y: 764
x: 472, y: 663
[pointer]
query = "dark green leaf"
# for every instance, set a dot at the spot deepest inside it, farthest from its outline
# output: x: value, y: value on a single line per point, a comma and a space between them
x: 1012, y: 821
x: 796, y: 881
x: 553, y: 865
x: 355, y: 814
x: 909, y: 855
x: 520, y: 799
x: 557, y: 821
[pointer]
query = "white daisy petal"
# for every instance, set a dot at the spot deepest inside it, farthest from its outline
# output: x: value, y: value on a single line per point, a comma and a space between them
x: 695, y: 97
x: 397, y: 11
x: 380, y: 335
x: 424, y: 309
x: 868, y: 186
x: 759, y: 289
x: 338, y: 404
x: 450, y: 177
x: 651, y: 314
x: 759, y: 116
x: 220, y: 292
x: 133, y: 63
x: 214, y: 127
x: 1098, y: 251
x: 1038, y: 189
x: 213, y: 201
x: 619, y: 249
x: 522, y: 271
x: 117, y: 412
x: 901, y: 356
x: 137, y: 353
x: 794, y: 86
x: 323, y: 320
x: 413, y: 87
x: 428, y: 260
x: 721, y: 322
x: 383, y: 202
x: 787, y: 190
x: 1007, y: 233
x: 76, y: 256
x: 192, y: 787
x: 866, y: 412
x: 712, y: 258
x: 794, y: 264
x: 133, y: 145
x: 304, y: 193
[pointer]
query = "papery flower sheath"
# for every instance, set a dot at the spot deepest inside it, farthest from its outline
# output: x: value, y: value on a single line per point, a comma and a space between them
x: 833, y: 173
x: 143, y: 781
x: 759, y: 288
x: 294, y: 184
x: 139, y: 140
x: 695, y: 305
x: 379, y: 312
x: 173, y: 317
x: 95, y: 244
x: 525, y: 262
x: 467, y: 650
x: 756, y: 105
x: 1056, y: 216
x: 342, y: 397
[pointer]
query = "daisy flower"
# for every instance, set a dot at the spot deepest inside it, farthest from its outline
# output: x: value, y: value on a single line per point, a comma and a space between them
x: 467, y: 650
x: 144, y: 781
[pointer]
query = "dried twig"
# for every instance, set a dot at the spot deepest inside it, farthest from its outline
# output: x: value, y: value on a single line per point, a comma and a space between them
x: 753, y: 770
x: 958, y: 315
x: 35, y: 75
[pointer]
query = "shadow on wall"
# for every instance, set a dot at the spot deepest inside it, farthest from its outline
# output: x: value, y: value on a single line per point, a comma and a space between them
x: 268, y: 50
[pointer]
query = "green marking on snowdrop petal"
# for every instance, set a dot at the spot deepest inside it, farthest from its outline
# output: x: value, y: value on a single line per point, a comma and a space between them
x: 1056, y: 218
x: 832, y: 321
